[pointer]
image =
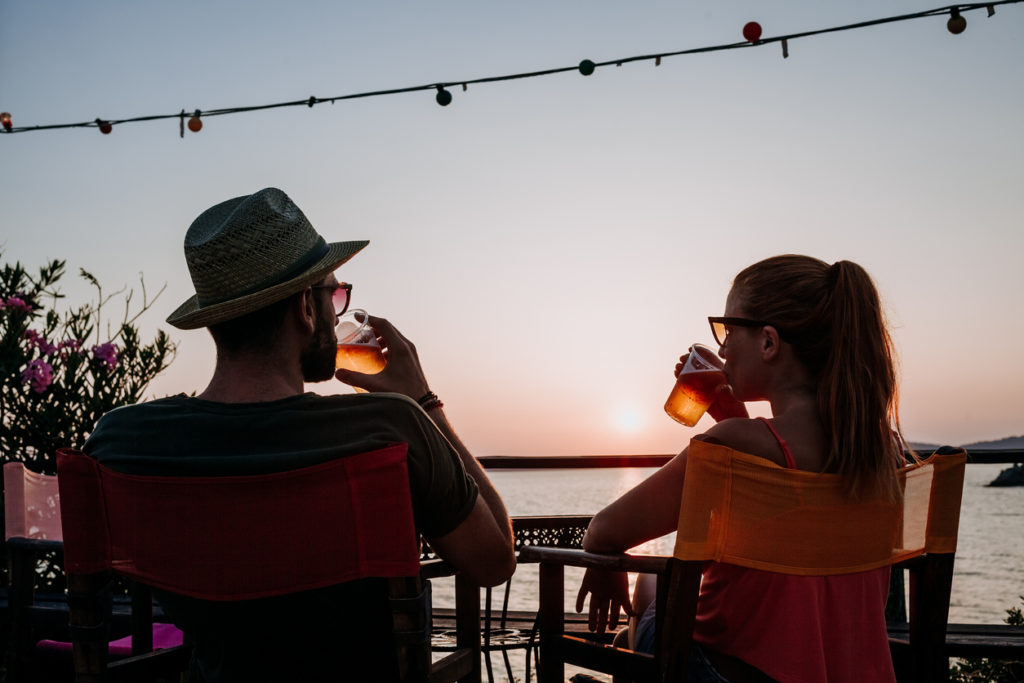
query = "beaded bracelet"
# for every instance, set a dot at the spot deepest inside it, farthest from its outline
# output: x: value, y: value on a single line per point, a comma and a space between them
x: 429, y: 401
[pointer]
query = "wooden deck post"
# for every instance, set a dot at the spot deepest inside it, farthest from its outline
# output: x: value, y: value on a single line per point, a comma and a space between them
x: 550, y: 669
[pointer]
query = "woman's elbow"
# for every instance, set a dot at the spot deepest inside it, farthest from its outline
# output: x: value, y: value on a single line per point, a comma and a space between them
x: 597, y: 537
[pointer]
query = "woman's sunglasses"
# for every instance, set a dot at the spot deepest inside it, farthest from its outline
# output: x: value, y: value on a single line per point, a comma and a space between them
x: 721, y: 332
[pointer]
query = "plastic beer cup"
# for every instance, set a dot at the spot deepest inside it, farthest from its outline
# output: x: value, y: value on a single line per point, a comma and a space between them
x: 696, y: 385
x: 358, y: 348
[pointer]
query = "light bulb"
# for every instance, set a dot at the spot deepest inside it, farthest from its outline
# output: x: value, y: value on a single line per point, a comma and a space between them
x: 195, y: 124
x: 956, y: 23
x: 752, y: 31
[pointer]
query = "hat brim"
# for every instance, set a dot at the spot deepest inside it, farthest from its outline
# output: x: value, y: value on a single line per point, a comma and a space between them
x: 191, y: 315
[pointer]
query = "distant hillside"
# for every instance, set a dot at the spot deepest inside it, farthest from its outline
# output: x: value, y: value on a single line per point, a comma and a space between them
x: 1008, y: 442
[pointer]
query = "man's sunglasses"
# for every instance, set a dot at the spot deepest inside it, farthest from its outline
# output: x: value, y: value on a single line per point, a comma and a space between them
x: 340, y: 296
x: 718, y: 326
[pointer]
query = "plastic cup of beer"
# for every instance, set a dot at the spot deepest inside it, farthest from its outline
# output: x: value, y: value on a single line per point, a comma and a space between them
x: 358, y: 348
x: 695, y: 387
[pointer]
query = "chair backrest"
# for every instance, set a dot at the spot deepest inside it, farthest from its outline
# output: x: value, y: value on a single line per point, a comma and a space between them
x: 744, y: 510
x: 31, y: 504
x: 239, y: 537
x: 243, y: 537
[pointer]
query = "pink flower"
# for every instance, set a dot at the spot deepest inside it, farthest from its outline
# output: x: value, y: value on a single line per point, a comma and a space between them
x: 70, y: 345
x: 18, y: 303
x: 39, y: 374
x: 106, y: 353
x: 36, y: 341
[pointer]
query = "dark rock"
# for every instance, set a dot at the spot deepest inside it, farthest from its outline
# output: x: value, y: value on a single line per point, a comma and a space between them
x: 1012, y: 476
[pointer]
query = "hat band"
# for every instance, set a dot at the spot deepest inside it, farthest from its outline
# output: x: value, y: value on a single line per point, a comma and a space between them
x: 318, y: 251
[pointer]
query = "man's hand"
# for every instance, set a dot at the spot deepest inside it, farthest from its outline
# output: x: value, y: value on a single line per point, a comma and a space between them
x: 609, y: 591
x: 403, y: 373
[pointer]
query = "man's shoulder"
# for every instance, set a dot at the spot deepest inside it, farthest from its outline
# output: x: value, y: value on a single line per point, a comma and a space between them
x: 133, y: 410
x: 387, y: 405
x: 192, y: 436
x: 182, y: 403
x: 376, y: 398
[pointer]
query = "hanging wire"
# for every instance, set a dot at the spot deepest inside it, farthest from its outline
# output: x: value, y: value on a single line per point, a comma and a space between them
x: 656, y: 58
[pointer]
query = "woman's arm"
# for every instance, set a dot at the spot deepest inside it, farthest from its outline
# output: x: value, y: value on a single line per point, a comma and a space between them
x: 649, y: 510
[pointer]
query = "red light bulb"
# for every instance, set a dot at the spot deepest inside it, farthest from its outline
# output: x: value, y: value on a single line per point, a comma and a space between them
x: 752, y: 31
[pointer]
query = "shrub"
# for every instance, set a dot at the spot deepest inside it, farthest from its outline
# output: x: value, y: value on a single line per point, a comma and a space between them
x: 61, y: 371
x: 992, y: 670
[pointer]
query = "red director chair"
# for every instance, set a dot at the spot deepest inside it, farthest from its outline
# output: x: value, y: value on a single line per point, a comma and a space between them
x: 232, y: 539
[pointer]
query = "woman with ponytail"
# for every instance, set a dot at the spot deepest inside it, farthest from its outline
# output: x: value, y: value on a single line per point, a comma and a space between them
x: 811, y: 339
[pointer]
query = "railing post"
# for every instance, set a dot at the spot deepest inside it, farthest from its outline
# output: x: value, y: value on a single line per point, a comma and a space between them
x: 467, y: 627
x: 551, y: 669
x: 929, y: 616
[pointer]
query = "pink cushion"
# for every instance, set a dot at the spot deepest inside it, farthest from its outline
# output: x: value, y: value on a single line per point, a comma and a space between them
x: 164, y: 636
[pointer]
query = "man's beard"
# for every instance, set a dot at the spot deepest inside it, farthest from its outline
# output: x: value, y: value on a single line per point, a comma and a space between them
x: 317, y: 359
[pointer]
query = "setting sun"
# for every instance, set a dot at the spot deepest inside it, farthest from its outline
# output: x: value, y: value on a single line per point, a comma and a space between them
x: 628, y: 420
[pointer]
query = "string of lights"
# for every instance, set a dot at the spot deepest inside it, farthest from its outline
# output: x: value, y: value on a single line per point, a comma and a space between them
x: 956, y: 24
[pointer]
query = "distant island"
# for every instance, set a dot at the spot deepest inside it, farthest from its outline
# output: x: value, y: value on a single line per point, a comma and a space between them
x: 1007, y: 442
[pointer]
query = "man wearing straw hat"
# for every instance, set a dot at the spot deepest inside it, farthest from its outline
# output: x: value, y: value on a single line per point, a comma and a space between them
x: 266, y: 290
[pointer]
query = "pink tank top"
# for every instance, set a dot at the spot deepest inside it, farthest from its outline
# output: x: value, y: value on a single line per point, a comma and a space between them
x: 798, y: 629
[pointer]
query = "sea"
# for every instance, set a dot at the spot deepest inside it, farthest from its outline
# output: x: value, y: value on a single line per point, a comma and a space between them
x: 988, y: 578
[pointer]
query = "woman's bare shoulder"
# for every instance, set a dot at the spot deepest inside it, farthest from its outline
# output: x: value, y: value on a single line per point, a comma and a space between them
x: 748, y: 435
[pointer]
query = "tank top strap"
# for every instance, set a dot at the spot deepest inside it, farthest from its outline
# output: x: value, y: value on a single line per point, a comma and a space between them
x: 788, y: 454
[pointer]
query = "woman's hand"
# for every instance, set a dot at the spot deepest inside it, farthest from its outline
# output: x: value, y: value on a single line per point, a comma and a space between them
x: 609, y: 591
x: 726, y: 404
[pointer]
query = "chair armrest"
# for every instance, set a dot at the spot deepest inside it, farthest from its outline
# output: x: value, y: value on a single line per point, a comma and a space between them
x: 436, y: 568
x: 621, y: 562
x: 34, y: 545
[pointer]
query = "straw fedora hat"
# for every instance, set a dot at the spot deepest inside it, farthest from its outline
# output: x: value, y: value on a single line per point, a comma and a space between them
x: 249, y: 252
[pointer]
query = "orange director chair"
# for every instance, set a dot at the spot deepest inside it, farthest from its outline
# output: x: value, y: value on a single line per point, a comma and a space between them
x: 233, y: 539
x: 746, y: 511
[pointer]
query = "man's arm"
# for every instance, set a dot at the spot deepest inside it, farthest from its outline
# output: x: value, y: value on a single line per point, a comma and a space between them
x: 482, y: 545
x: 464, y: 545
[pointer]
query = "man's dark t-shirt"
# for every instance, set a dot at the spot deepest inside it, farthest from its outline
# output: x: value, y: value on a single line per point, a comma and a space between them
x: 312, y: 636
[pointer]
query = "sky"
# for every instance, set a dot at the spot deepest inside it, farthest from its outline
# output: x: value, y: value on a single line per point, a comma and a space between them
x: 551, y: 245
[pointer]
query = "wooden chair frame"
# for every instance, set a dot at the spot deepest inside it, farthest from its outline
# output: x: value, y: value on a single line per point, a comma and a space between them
x: 90, y: 618
x: 919, y: 654
x: 27, y: 617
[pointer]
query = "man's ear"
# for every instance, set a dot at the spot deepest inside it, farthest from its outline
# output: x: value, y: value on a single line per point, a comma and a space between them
x: 305, y: 310
x: 769, y: 343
